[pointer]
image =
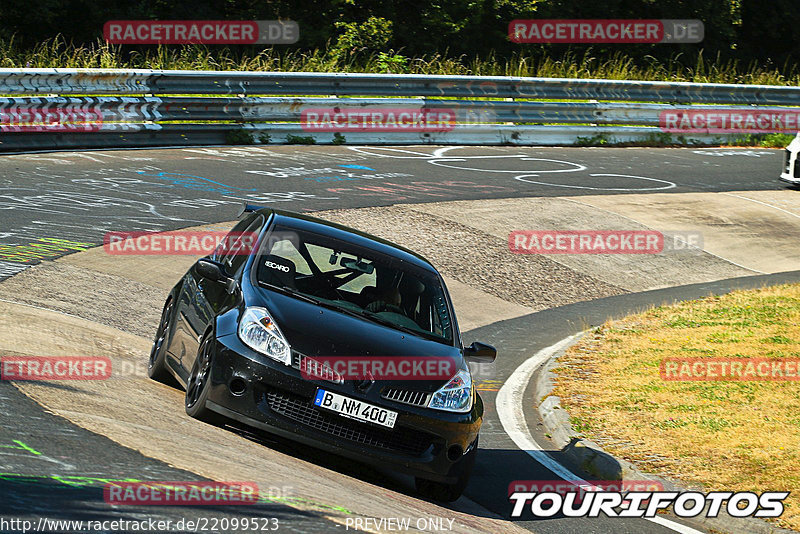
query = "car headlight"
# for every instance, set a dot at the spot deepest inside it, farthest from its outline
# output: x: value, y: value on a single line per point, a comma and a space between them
x: 456, y: 395
x: 258, y: 331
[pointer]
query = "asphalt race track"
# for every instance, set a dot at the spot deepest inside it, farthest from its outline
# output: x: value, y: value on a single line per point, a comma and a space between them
x: 55, y: 203
x: 82, y: 195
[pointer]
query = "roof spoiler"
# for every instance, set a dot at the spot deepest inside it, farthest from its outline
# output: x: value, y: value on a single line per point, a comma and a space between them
x: 248, y: 208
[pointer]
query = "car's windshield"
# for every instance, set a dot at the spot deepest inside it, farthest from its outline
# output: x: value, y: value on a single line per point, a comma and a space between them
x: 355, y: 280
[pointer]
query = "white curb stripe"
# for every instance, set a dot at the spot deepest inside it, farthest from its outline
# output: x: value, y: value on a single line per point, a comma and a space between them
x: 509, y: 410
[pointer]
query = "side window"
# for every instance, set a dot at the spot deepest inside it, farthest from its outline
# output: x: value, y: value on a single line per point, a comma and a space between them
x: 441, y: 320
x: 234, y: 257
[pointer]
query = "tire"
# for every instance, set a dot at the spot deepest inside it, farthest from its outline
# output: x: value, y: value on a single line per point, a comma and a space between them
x: 199, y: 384
x: 157, y: 365
x: 443, y: 492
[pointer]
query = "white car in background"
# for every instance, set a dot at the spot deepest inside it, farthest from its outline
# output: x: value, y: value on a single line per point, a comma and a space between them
x: 791, y: 165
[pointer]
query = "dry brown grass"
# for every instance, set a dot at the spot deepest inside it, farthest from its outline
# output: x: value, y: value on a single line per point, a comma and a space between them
x: 734, y: 436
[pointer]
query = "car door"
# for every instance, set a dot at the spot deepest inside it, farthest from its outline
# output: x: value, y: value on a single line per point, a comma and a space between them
x: 201, y: 299
x: 207, y: 298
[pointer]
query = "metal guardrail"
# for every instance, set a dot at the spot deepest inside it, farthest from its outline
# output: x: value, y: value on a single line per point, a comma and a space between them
x: 143, y: 107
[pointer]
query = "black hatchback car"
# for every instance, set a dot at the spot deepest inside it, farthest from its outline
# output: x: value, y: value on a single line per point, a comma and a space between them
x: 256, y: 336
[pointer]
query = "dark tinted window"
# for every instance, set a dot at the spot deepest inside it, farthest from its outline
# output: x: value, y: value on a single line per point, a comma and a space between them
x: 339, y: 274
x: 234, y: 251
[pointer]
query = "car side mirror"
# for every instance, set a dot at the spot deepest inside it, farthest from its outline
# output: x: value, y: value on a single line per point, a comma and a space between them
x: 215, y: 272
x: 480, y: 353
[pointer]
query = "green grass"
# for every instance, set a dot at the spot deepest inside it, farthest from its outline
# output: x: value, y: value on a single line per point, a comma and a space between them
x: 722, y: 435
x: 59, y: 53
x: 772, y: 140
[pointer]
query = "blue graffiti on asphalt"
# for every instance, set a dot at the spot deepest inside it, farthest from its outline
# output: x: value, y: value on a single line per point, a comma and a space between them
x: 356, y: 167
x: 190, y: 181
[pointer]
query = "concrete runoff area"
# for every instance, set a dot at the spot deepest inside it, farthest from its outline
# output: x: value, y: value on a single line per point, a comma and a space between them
x: 477, y: 258
x: 758, y: 230
x: 744, y: 233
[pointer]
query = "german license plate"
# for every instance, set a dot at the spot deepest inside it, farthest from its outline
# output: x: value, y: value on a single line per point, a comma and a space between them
x: 355, y: 409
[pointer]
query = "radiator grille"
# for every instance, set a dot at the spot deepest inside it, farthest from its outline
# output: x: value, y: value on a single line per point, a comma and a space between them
x: 315, y: 369
x: 406, y: 396
x: 301, y: 410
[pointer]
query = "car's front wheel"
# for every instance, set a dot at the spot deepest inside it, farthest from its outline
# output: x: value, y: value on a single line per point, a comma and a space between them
x: 157, y: 365
x: 441, y: 491
x: 199, y: 384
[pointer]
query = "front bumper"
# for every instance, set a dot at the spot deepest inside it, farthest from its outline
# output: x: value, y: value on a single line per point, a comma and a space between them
x: 276, y: 398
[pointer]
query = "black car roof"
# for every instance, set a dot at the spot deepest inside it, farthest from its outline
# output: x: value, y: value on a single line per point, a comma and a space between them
x: 301, y: 221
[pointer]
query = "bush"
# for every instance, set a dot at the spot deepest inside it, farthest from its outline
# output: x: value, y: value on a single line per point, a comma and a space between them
x: 300, y: 140
x: 368, y: 37
x: 239, y: 137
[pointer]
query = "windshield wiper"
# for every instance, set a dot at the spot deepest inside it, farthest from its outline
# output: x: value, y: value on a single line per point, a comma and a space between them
x: 372, y: 316
x: 293, y: 293
x: 369, y: 316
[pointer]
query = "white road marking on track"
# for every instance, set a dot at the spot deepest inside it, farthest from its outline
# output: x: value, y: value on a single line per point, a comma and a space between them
x: 509, y: 410
x: 728, y: 152
x: 577, y: 166
x: 440, y: 158
x: 414, y: 155
x: 670, y: 186
x: 440, y: 151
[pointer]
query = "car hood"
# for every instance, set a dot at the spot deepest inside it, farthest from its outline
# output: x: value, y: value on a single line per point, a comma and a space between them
x: 319, y: 331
